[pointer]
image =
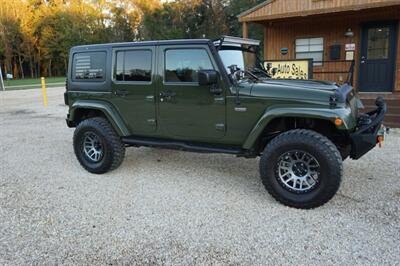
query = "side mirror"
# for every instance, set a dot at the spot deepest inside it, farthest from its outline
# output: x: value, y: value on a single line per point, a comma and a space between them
x: 208, y: 77
x: 233, y: 69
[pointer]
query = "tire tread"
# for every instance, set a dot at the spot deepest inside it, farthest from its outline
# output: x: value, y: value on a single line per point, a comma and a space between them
x: 304, y: 135
x: 114, y: 141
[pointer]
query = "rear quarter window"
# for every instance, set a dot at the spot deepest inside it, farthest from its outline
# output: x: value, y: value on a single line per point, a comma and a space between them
x: 89, y: 66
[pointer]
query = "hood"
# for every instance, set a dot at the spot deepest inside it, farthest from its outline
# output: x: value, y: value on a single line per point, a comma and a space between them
x: 296, y: 90
x: 301, y: 84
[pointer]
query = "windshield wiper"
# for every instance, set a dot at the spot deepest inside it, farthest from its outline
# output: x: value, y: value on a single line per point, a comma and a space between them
x: 251, y: 74
x: 256, y: 70
x: 238, y: 74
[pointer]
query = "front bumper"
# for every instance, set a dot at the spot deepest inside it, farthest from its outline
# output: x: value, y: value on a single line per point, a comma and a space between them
x: 366, y: 137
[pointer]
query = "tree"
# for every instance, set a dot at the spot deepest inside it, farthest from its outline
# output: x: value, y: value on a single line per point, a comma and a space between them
x: 36, y: 35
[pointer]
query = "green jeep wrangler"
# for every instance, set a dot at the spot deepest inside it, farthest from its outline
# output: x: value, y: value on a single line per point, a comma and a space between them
x: 216, y: 97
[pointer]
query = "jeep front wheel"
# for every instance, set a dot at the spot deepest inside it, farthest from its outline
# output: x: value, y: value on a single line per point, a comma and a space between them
x: 97, y: 146
x: 301, y: 168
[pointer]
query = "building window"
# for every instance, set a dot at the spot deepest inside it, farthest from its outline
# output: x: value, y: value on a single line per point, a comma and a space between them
x: 310, y: 48
x: 89, y: 66
x: 134, y: 65
x: 183, y: 65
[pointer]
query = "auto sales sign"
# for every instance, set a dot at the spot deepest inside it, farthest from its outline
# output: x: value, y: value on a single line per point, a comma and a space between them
x: 292, y: 69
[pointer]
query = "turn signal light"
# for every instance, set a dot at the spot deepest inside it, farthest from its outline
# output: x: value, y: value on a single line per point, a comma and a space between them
x: 338, y: 122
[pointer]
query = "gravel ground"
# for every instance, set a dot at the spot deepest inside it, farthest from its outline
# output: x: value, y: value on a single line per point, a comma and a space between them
x: 171, y: 207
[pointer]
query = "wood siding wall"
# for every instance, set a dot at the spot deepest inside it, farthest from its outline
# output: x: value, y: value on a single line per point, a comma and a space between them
x: 278, y: 9
x: 332, y: 29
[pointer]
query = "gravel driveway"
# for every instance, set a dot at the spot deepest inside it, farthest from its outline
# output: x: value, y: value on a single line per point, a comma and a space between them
x: 171, y: 207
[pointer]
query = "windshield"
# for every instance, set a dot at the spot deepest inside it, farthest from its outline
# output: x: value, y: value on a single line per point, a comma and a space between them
x: 245, y: 60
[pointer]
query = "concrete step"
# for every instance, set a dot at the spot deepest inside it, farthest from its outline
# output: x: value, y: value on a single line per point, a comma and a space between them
x: 391, y: 125
x: 373, y: 96
x: 388, y: 102
x: 391, y: 109
x: 392, y: 118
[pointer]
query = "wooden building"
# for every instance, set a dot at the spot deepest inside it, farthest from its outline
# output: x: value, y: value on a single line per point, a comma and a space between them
x: 333, y: 33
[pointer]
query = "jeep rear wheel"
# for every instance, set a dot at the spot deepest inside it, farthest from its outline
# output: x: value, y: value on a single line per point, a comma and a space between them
x: 97, y: 146
x: 301, y: 169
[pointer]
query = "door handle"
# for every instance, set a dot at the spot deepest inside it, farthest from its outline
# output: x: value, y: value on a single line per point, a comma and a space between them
x: 167, y: 95
x: 121, y: 92
x: 363, y: 59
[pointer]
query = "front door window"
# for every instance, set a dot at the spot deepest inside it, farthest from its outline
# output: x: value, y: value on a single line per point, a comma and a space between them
x: 182, y: 65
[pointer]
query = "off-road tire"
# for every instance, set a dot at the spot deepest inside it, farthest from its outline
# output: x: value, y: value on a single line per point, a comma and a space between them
x: 328, y: 156
x: 114, y: 149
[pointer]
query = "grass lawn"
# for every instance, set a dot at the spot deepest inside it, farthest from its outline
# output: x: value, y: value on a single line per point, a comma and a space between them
x: 32, y: 83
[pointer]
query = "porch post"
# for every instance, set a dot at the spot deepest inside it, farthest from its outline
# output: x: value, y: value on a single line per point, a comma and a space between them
x: 266, y: 54
x: 245, y: 30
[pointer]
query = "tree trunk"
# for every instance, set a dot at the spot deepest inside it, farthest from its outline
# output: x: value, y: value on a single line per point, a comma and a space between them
x: 5, y: 68
x: 10, y: 68
x: 50, y: 68
x: 65, y: 66
x: 31, y: 63
x: 39, y: 70
x: 15, y: 70
x: 31, y: 67
x: 21, y: 67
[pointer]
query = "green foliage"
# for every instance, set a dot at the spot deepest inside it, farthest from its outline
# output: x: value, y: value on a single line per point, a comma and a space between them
x: 36, y: 35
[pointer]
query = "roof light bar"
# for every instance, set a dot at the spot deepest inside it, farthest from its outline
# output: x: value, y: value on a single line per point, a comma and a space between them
x: 237, y: 40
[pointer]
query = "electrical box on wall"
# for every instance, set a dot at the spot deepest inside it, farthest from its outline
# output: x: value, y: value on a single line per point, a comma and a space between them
x: 334, y: 52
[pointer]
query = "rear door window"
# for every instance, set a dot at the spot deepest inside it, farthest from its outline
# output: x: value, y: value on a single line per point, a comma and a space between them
x: 89, y: 66
x: 133, y: 66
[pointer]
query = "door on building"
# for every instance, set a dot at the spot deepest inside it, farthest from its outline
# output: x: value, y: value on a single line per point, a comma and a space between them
x: 378, y: 56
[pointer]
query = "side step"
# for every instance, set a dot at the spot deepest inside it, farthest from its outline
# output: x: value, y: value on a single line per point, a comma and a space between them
x: 180, y: 145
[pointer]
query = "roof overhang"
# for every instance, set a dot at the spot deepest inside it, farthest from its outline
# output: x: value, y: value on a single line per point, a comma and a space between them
x: 251, y: 10
x: 264, y: 12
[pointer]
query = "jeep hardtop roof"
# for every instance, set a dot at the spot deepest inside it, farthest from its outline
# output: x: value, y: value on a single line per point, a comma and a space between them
x: 228, y: 40
x: 144, y: 43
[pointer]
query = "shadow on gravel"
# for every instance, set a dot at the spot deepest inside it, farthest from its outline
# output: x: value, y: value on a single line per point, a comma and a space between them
x: 18, y: 112
x: 184, y: 160
x: 29, y: 114
x: 239, y: 173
